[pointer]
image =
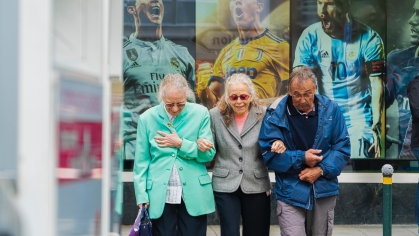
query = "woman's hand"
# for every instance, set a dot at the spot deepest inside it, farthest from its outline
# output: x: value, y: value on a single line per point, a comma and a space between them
x: 168, y: 140
x: 203, y: 144
x: 146, y: 205
x: 278, y: 147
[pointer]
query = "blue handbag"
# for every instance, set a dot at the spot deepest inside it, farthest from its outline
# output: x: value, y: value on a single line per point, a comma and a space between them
x: 142, y: 225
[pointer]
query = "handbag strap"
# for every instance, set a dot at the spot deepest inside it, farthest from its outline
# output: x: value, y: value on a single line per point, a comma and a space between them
x: 144, y: 214
x: 137, y: 222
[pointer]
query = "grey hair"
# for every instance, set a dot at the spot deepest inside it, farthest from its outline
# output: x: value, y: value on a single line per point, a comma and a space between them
x: 223, y: 105
x: 236, y: 79
x: 302, y: 74
x: 176, y: 82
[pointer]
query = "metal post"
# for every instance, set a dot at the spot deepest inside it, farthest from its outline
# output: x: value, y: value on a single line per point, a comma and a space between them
x: 387, y: 171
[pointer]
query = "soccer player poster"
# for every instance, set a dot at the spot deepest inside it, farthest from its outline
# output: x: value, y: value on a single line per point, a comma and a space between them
x: 247, y: 36
x: 149, y: 54
x: 335, y: 39
x: 402, y: 67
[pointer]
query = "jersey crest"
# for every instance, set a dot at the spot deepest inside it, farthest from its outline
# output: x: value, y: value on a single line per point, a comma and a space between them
x: 132, y: 54
x: 175, y: 63
x: 351, y: 52
x: 260, y: 54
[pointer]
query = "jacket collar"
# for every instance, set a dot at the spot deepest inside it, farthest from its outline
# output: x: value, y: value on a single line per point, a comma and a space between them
x: 323, y: 103
x: 179, y: 119
x: 251, y: 120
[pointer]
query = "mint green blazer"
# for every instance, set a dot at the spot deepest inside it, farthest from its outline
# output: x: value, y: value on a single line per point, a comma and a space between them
x: 153, y: 164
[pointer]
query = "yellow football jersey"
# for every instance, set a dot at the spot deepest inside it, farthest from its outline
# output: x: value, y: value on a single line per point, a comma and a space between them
x: 265, y: 59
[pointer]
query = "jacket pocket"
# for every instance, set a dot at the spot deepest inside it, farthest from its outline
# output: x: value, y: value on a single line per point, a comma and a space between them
x: 220, y: 172
x: 278, y: 208
x: 204, y: 179
x: 261, y: 173
x: 149, y: 184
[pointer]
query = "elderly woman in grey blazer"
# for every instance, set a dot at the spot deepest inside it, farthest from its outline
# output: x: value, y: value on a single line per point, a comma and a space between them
x: 240, y: 179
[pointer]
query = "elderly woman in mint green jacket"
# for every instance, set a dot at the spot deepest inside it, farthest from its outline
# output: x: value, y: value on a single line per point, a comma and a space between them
x: 169, y: 170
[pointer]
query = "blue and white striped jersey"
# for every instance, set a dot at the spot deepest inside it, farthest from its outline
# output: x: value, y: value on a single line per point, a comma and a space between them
x: 343, y: 64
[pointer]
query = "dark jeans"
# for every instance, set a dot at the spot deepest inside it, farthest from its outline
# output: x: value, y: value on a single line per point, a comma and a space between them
x: 255, y: 210
x: 415, y: 152
x: 176, y: 221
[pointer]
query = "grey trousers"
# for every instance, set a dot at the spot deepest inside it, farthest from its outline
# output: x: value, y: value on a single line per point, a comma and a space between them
x: 299, y: 221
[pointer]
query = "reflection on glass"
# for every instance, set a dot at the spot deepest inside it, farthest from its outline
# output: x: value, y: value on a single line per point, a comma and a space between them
x: 243, y: 40
x: 349, y: 59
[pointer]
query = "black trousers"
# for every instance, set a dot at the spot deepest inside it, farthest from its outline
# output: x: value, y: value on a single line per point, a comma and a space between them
x: 255, y: 210
x: 176, y: 221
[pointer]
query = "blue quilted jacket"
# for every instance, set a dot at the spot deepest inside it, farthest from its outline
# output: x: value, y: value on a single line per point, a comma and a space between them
x: 331, y: 137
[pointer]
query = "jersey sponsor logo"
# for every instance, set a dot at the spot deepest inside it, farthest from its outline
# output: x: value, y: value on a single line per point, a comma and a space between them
x: 240, y: 54
x: 325, y: 55
x: 132, y: 54
x: 156, y: 76
x: 260, y: 55
x: 135, y: 64
x: 145, y: 88
x: 249, y: 71
x: 174, y: 63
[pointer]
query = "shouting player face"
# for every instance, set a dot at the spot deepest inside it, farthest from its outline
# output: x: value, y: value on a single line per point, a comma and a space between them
x: 332, y: 15
x: 153, y: 10
x: 245, y: 12
x: 414, y: 25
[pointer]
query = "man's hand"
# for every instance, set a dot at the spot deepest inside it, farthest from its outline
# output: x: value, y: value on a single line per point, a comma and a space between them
x: 203, y: 144
x: 310, y: 174
x: 278, y: 147
x: 168, y: 140
x: 376, y: 145
x: 312, y: 158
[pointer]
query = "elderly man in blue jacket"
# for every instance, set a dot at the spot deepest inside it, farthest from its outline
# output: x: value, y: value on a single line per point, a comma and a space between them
x: 313, y: 130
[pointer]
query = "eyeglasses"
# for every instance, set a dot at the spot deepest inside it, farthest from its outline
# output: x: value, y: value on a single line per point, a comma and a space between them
x: 299, y: 96
x: 235, y: 97
x: 171, y: 105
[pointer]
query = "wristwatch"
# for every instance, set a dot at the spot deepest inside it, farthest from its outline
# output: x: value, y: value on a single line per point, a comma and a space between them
x: 321, y: 173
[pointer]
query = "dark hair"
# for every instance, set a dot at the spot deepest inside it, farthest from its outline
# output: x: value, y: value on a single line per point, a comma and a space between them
x: 128, y: 3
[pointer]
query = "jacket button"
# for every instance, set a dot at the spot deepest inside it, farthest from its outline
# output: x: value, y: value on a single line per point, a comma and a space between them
x: 184, y: 183
x: 241, y: 171
x: 240, y: 158
x: 240, y: 146
x: 180, y: 168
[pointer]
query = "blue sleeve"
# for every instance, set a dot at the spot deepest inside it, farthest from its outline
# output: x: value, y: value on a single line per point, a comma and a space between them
x: 303, y: 55
x: 392, y: 80
x: 290, y: 160
x: 374, y: 48
x: 413, y: 93
x: 338, y: 156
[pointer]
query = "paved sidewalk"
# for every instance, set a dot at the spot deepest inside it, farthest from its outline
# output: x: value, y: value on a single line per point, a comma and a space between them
x: 338, y: 230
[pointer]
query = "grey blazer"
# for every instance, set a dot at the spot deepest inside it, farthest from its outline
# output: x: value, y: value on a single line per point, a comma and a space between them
x: 238, y: 161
